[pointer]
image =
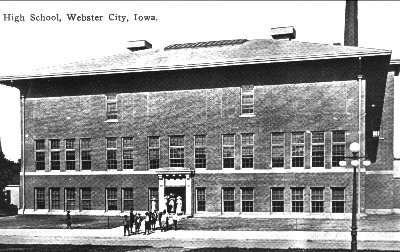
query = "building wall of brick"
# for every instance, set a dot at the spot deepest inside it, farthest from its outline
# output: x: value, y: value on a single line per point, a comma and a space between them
x: 379, y: 191
x: 283, y: 108
x: 212, y: 183
x: 381, y: 108
x: 262, y: 184
x: 396, y: 194
x: 301, y: 107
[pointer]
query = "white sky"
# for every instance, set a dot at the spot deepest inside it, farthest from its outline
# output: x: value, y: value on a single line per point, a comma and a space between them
x: 29, y: 45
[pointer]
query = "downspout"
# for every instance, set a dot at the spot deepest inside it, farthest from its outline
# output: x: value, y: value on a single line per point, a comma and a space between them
x: 23, y: 151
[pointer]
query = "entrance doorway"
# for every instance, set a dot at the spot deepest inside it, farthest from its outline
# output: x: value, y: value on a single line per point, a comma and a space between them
x: 173, y: 193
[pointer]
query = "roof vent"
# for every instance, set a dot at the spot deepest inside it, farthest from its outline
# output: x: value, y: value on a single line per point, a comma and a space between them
x: 337, y: 43
x: 138, y: 45
x: 283, y: 33
x: 206, y: 44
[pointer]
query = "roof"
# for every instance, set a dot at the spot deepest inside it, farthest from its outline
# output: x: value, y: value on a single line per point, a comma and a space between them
x: 203, y: 54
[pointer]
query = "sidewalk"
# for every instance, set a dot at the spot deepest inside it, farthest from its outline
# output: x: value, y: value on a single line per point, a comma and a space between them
x: 374, y: 232
x: 196, y: 239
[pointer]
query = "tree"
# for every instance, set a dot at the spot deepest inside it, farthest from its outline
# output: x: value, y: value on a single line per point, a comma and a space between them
x: 9, y: 174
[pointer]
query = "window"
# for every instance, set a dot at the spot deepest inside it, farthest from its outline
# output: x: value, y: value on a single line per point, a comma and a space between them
x: 278, y: 149
x: 40, y: 198
x: 247, y: 150
x: 112, y: 112
x: 40, y: 155
x: 176, y: 151
x: 318, y: 149
x: 55, y: 154
x: 377, y: 126
x: 228, y: 195
x: 127, y: 194
x: 298, y: 149
x: 111, y: 199
x: 297, y: 200
x: 200, y: 151
x: 338, y: 147
x: 228, y: 151
x: 111, y: 153
x: 154, y: 152
x: 247, y: 199
x: 54, y: 198
x: 337, y: 200
x: 70, y: 154
x: 127, y: 152
x: 317, y: 200
x: 278, y: 200
x: 70, y: 198
x: 153, y: 194
x: 86, y: 199
x: 247, y: 99
x: 201, y: 199
x: 86, y: 157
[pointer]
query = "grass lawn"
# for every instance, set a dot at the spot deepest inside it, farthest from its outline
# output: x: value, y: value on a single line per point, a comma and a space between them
x: 372, y: 223
x: 58, y: 221
x: 386, y: 223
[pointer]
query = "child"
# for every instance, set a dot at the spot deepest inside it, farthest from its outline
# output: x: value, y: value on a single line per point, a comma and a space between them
x: 147, y: 224
x: 138, y: 221
x: 175, y: 219
x: 154, y: 220
x: 69, y: 222
x: 163, y: 221
x: 126, y: 225
x: 131, y: 220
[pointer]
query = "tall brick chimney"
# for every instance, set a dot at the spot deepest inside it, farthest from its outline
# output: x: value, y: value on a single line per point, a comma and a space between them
x: 351, y: 24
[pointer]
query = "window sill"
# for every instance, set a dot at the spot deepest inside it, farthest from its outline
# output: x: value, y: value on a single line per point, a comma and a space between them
x: 111, y: 121
x: 247, y: 115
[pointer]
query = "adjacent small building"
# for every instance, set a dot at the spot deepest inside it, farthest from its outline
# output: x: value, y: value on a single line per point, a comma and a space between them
x: 233, y: 127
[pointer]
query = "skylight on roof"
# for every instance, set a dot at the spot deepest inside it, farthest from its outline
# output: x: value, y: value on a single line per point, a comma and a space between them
x: 206, y: 44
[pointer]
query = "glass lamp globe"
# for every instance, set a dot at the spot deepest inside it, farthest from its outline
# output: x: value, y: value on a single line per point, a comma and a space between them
x: 354, y: 147
x: 355, y: 162
x: 367, y: 162
x: 342, y: 163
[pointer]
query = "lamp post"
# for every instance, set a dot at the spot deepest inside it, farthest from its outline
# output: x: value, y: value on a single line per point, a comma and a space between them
x: 355, y: 162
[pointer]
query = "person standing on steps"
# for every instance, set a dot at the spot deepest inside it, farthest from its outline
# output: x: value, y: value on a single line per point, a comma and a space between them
x: 179, y: 205
x: 175, y: 219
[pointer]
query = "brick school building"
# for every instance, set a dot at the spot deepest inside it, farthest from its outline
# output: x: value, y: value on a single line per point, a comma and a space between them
x: 232, y: 127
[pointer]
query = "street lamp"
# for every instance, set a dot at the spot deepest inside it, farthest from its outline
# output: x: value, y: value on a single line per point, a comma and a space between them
x: 355, y: 162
